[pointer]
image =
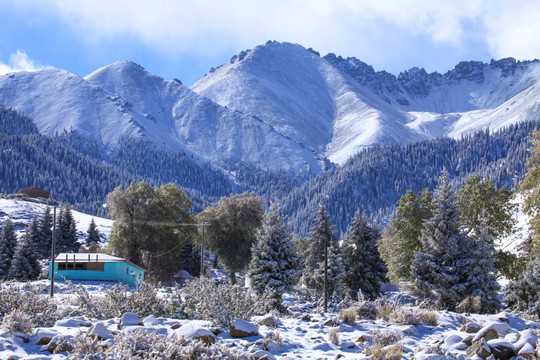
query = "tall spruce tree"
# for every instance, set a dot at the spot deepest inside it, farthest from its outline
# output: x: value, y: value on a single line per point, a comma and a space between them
x: 190, y: 259
x: 401, y: 239
x: 92, y: 235
x: 45, y: 225
x: 364, y: 269
x: 66, y: 236
x: 524, y: 293
x: 25, y: 264
x: 8, y: 244
x: 323, y: 232
x: 530, y: 188
x: 274, y: 265
x: 443, y: 267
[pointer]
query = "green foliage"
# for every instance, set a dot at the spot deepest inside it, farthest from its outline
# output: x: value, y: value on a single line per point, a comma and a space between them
x: 8, y: 243
x: 364, y: 269
x: 145, y: 230
x: 25, y: 264
x: 233, y: 227
x: 524, y: 293
x: 220, y: 303
x: 66, y: 232
x: 481, y: 200
x: 530, y: 187
x: 401, y: 239
x: 92, y: 235
x: 510, y: 265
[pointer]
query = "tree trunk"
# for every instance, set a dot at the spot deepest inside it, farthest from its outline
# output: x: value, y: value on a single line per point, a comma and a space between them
x: 233, y: 277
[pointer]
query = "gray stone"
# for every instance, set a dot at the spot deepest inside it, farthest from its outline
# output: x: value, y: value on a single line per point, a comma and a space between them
x: 479, y: 348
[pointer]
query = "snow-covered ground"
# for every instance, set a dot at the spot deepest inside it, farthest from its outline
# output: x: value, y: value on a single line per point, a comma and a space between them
x: 305, y: 333
x: 22, y: 212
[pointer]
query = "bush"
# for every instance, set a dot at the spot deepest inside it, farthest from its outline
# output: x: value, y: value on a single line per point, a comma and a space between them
x: 524, y: 293
x: 348, y: 316
x: 143, y: 301
x: 17, y: 321
x: 367, y: 310
x: 333, y: 336
x: 221, y: 303
x: 384, y: 346
x: 31, y: 301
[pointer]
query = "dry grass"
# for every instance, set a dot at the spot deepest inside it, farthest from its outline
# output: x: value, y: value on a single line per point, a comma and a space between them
x: 348, y: 315
x: 379, y: 352
x: 333, y: 336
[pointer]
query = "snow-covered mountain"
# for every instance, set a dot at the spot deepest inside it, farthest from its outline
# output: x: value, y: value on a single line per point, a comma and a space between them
x: 278, y: 106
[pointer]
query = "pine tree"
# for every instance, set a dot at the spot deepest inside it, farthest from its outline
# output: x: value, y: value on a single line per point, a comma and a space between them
x: 66, y: 236
x: 365, y: 270
x: 190, y: 259
x: 401, y: 239
x: 524, y: 293
x: 92, y: 235
x: 45, y: 225
x: 443, y: 267
x: 530, y: 187
x: 323, y: 233
x: 8, y: 244
x: 274, y: 265
x: 25, y: 264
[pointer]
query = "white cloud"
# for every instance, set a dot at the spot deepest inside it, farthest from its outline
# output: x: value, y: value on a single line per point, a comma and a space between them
x: 20, y: 62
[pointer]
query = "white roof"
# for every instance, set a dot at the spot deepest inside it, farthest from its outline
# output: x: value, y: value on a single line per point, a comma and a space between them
x: 83, y: 257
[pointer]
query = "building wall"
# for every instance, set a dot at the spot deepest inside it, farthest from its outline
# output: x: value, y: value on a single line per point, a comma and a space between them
x: 113, y: 271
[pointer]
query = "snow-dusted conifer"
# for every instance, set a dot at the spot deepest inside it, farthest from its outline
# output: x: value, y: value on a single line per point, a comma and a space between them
x: 524, y: 293
x: 190, y: 259
x: 444, y: 266
x: 8, y: 243
x: 274, y: 265
x: 66, y: 236
x: 364, y: 269
x: 323, y: 232
x: 45, y: 225
x: 92, y: 235
x: 25, y: 264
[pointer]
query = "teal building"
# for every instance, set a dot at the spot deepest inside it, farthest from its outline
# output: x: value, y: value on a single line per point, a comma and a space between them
x: 96, y: 267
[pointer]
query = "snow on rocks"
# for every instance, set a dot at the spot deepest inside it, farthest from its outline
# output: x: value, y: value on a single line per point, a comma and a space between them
x: 129, y: 319
x: 99, y: 331
x: 241, y: 328
x: 192, y: 331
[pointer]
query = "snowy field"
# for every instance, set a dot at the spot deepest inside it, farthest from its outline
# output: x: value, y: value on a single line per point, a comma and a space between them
x: 304, y: 333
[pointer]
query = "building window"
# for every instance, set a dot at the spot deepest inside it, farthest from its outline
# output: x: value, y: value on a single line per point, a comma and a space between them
x: 94, y: 266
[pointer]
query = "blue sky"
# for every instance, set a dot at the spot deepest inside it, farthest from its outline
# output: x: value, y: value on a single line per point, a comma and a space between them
x: 184, y: 39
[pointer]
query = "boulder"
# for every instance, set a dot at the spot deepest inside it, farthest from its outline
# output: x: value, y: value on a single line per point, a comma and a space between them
x: 73, y: 322
x: 190, y: 331
x: 527, y: 352
x: 99, y: 331
x: 501, y: 349
x: 500, y: 329
x: 479, y: 348
x: 269, y: 320
x: 526, y: 337
x: 262, y: 355
x: 43, y: 336
x: 452, y: 340
x: 332, y: 322
x: 129, y: 319
x: 59, y: 343
x: 471, y: 327
x: 241, y: 328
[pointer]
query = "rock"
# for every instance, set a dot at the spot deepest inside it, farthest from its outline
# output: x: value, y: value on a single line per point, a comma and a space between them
x: 217, y: 331
x: 150, y: 320
x: 527, y: 352
x: 470, y: 327
x: 526, y: 337
x: 262, y: 355
x: 241, y: 328
x: 479, y: 348
x: 500, y: 329
x: 348, y: 345
x: 43, y: 336
x: 362, y: 339
x: 73, y: 322
x: 501, y: 349
x: 129, y: 319
x: 269, y: 320
x: 468, y: 339
x: 190, y: 331
x: 409, y: 330
x: 332, y: 322
x: 452, y: 340
x: 176, y: 326
x: 59, y: 343
x: 305, y: 317
x: 99, y: 331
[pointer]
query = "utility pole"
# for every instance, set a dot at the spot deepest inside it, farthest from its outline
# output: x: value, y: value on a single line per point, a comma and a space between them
x: 202, y: 247
x: 53, y: 254
x: 325, y: 274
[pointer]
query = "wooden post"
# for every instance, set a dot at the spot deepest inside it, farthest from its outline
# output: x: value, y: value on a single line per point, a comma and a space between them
x: 325, y: 274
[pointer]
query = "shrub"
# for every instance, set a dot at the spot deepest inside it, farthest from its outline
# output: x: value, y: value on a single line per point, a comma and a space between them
x: 221, y: 303
x: 17, y: 321
x: 348, y: 316
x: 30, y: 300
x: 143, y: 301
x: 333, y: 336
x: 384, y: 345
x: 273, y: 336
x: 367, y: 310
x: 150, y: 346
